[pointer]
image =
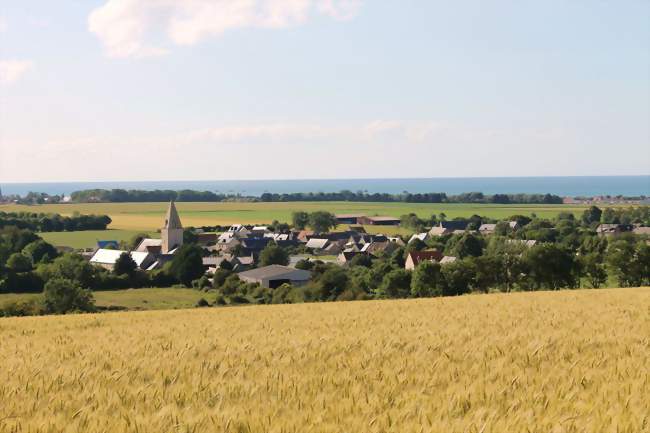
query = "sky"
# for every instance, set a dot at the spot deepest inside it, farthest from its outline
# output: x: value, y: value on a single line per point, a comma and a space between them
x: 100, y: 90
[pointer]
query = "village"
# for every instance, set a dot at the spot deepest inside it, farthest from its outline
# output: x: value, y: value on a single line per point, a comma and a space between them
x: 240, y: 246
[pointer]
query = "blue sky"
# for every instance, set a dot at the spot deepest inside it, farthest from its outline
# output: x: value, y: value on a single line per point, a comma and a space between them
x: 262, y: 89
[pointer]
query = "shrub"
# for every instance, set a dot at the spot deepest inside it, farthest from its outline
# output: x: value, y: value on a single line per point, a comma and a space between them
x: 62, y: 296
x: 202, y: 303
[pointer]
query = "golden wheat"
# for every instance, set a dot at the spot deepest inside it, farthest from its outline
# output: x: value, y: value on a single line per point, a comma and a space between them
x: 573, y: 361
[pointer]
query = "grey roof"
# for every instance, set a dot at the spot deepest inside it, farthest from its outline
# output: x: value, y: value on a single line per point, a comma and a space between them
x: 172, y: 220
x: 276, y: 272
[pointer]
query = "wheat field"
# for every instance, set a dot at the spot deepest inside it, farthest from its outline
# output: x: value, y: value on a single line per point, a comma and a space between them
x: 571, y: 361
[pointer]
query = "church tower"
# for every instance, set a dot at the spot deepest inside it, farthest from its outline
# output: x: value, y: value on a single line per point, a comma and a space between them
x: 172, y: 233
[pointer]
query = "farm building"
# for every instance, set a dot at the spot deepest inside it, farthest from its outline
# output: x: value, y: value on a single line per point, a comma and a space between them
x: 107, y: 258
x: 349, y: 218
x: 275, y: 275
x: 378, y: 220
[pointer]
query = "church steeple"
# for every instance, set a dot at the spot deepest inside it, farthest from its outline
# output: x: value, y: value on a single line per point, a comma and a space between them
x: 172, y: 220
x: 172, y: 233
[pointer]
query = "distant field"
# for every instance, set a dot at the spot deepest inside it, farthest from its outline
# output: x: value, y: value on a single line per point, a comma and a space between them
x: 134, y: 299
x: 149, y: 216
x: 569, y: 361
x: 89, y: 238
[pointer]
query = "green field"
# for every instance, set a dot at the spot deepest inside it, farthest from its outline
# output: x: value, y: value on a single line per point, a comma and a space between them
x: 133, y: 299
x: 131, y: 218
x: 89, y: 238
x: 149, y: 216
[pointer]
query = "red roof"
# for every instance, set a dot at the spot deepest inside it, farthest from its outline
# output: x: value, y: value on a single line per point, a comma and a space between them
x: 420, y: 256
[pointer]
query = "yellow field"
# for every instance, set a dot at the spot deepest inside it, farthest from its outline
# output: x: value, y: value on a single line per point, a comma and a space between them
x: 572, y: 361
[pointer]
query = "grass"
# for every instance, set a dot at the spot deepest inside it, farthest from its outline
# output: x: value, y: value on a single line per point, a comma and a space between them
x: 570, y: 361
x: 89, y: 238
x: 133, y: 299
x: 150, y: 216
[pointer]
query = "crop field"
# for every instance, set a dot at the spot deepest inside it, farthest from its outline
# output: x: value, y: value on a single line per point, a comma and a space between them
x: 570, y: 361
x: 149, y: 216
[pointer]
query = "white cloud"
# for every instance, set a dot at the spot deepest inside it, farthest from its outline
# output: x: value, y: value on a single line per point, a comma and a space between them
x: 12, y: 70
x: 126, y: 26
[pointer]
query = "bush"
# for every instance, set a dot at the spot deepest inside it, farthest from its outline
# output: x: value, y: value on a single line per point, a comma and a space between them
x: 63, y: 296
x: 202, y: 303
x: 32, y: 307
x: 238, y: 299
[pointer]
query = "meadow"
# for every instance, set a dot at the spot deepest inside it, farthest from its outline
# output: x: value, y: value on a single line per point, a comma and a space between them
x: 570, y: 361
x: 89, y: 238
x: 132, y: 299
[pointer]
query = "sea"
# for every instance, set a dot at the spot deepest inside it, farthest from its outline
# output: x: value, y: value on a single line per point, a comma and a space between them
x: 571, y: 186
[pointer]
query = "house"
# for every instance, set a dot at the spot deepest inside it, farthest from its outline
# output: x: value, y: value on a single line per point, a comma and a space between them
x: 317, y: 243
x: 106, y: 258
x: 149, y: 245
x: 274, y: 276
x: 514, y: 225
x: 346, y: 256
x: 305, y: 235
x: 206, y: 239
x: 487, y: 229
x: 641, y: 231
x: 239, y: 230
x: 380, y: 248
x: 414, y: 258
x: 253, y: 246
x: 260, y: 231
x: 448, y: 259
x: 612, y: 229
x: 525, y: 242
x: 349, y: 218
x: 448, y: 227
x: 378, y: 220
x: 420, y: 236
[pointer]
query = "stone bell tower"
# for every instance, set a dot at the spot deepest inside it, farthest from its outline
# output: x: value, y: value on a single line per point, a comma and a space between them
x: 172, y: 233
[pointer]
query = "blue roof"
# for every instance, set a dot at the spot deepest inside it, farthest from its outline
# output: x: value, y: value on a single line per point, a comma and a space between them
x: 106, y: 244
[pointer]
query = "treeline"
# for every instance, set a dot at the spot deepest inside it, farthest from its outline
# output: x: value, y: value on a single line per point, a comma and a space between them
x: 434, y: 197
x: 124, y: 196
x: 134, y: 195
x: 43, y: 222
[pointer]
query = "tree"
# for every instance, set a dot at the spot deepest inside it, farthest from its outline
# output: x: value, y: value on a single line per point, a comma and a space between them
x: 63, y: 295
x: 425, y: 281
x: 70, y: 267
x: 281, y: 294
x: 40, y: 251
x: 551, y: 267
x: 364, y: 260
x: 591, y: 215
x: 18, y: 262
x: 125, y: 265
x: 593, y: 269
x: 187, y: 264
x: 321, y: 221
x: 487, y: 272
x: 219, y: 277
x: 467, y: 245
x: 457, y: 277
x: 396, y: 284
x: 300, y: 220
x: 273, y: 254
x: 332, y: 283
